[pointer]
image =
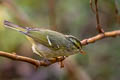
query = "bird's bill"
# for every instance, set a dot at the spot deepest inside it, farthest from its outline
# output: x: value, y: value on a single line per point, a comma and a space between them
x: 82, y: 52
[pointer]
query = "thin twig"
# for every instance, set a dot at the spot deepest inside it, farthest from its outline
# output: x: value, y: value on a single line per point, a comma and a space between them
x: 38, y: 63
x: 100, y: 36
x: 117, y: 12
x: 19, y: 58
x: 116, y: 9
x: 100, y: 30
x: 35, y: 62
x: 52, y: 14
x: 91, y: 5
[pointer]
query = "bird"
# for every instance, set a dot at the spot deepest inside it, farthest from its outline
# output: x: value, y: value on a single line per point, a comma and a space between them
x: 48, y: 43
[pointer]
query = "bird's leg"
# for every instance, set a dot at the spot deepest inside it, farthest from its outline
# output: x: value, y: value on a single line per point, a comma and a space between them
x: 57, y: 59
x: 61, y: 64
x: 61, y: 61
x: 49, y: 61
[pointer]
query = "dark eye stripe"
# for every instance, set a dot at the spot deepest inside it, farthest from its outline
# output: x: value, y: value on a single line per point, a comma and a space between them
x: 74, y: 41
x: 76, y: 45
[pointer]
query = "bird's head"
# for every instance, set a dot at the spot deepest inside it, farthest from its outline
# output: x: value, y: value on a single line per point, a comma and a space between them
x: 76, y: 42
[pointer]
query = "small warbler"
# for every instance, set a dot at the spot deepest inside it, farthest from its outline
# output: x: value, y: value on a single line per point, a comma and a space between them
x: 47, y: 43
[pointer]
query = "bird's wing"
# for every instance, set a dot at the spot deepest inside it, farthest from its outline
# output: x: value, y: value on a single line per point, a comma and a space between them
x: 51, y: 39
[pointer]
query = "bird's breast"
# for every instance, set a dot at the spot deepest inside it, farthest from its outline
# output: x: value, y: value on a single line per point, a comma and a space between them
x: 46, y: 52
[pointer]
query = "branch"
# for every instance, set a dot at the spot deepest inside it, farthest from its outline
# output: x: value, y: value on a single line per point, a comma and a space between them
x: 91, y: 5
x: 97, y: 18
x: 52, y: 14
x: 35, y: 62
x: 38, y: 63
x: 116, y: 8
x: 100, y: 36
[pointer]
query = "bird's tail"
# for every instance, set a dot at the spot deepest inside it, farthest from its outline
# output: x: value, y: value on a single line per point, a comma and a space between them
x: 15, y: 27
x: 19, y: 29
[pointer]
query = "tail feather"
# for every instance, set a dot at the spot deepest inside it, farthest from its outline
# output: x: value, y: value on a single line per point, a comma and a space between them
x: 14, y: 26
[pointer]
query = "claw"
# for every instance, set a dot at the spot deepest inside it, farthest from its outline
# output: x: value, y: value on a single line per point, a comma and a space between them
x: 61, y: 64
x: 61, y: 61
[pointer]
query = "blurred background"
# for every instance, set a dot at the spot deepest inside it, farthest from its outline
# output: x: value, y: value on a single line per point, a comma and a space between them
x: 74, y: 17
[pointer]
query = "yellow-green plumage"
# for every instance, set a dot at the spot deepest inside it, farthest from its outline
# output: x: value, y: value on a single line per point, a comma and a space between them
x: 48, y: 43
